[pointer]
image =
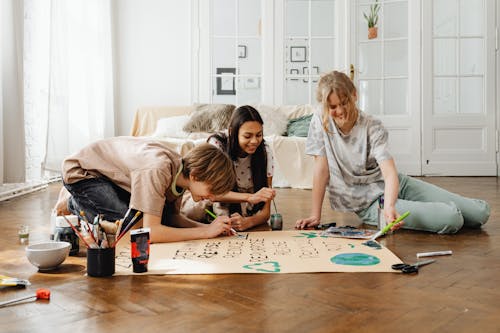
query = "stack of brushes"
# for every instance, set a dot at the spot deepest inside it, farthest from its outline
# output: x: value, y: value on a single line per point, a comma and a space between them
x: 103, y: 234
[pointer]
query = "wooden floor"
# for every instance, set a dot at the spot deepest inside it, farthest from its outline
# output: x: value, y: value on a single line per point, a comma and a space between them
x: 459, y: 293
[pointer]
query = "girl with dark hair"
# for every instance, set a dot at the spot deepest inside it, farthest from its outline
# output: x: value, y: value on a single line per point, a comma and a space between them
x: 249, y: 204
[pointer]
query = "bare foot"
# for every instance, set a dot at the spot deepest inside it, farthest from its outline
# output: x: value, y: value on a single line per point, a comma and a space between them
x: 61, y: 207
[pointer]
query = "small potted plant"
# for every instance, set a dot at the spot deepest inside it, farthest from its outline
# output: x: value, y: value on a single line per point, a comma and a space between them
x: 372, y: 19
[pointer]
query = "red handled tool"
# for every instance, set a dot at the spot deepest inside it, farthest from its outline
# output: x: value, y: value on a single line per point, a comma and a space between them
x: 40, y: 294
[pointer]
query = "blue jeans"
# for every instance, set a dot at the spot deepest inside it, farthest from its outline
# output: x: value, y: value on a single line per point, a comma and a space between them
x: 98, y: 196
x: 101, y: 196
x: 432, y: 208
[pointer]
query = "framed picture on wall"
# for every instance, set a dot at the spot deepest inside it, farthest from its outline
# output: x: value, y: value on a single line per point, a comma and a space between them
x: 305, y: 71
x: 294, y: 71
x: 226, y: 81
x: 251, y: 83
x: 298, y: 54
x: 242, y: 51
x: 315, y: 72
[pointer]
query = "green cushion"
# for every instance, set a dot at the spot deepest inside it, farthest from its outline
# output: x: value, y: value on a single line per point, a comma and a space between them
x: 299, y: 126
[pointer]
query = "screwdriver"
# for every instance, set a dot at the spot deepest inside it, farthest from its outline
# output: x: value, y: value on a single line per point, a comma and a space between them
x: 40, y: 294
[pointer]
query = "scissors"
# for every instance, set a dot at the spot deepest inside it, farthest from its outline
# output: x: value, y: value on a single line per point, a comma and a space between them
x: 408, y: 269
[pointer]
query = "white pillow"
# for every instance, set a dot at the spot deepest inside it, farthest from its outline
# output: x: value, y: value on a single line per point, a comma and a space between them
x: 275, y: 122
x: 171, y: 127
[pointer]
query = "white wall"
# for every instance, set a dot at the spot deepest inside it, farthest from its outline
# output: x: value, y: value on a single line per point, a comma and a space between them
x: 11, y: 77
x: 152, y: 56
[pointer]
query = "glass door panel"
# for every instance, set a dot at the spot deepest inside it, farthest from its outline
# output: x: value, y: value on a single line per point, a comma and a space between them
x: 380, y: 47
x: 249, y: 18
x: 308, y: 47
x: 323, y: 20
x: 223, y: 18
x: 459, y: 128
x: 296, y: 18
x: 236, y: 51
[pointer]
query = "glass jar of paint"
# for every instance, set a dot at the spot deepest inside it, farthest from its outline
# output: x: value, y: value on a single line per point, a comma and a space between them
x: 276, y: 221
x: 24, y: 234
x: 63, y: 232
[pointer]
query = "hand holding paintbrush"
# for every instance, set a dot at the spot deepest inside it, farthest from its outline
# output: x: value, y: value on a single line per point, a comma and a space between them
x: 389, y: 226
x: 209, y: 212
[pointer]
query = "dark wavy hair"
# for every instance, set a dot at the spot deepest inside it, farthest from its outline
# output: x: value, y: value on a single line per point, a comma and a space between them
x: 258, y: 162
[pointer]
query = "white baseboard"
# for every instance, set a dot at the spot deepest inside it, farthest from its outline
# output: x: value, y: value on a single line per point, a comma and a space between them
x: 13, y: 190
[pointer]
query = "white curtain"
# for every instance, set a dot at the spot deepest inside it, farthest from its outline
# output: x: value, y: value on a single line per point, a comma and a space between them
x: 80, y: 77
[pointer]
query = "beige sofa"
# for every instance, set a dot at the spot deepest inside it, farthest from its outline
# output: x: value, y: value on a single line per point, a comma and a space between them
x: 292, y: 167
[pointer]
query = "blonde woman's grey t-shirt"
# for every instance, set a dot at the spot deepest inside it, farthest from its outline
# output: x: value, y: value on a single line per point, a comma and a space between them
x: 353, y: 160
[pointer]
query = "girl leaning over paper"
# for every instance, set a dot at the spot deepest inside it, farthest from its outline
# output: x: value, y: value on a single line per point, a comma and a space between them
x: 249, y: 204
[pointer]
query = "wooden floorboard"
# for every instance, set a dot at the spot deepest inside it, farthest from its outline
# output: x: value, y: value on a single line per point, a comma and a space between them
x: 459, y: 293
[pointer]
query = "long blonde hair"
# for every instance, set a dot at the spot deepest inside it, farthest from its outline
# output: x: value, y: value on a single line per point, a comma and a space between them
x: 341, y: 85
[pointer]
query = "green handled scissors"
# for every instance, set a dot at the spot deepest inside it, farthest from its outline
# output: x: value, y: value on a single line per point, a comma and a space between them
x: 409, y: 269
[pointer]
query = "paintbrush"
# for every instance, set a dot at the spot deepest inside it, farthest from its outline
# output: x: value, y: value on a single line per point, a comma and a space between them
x: 87, y: 226
x: 129, y: 226
x: 389, y: 226
x: 234, y: 232
x: 76, y: 231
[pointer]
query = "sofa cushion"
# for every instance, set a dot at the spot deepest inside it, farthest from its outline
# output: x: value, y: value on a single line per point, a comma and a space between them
x: 209, y: 118
x: 296, y: 111
x: 171, y: 127
x: 299, y: 126
x: 275, y: 122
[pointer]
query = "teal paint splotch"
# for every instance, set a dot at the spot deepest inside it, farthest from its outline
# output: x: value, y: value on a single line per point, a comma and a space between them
x: 309, y: 235
x: 373, y: 245
x: 265, y: 267
x: 355, y: 259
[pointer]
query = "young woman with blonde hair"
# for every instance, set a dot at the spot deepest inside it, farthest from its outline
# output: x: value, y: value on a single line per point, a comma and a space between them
x: 352, y: 161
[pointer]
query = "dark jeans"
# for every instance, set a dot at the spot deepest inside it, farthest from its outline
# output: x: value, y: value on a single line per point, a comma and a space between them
x: 101, y: 196
x: 98, y: 196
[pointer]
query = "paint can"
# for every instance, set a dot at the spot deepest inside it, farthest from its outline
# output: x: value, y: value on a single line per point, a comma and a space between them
x: 276, y: 221
x: 381, y: 223
x: 63, y: 232
x: 139, y: 241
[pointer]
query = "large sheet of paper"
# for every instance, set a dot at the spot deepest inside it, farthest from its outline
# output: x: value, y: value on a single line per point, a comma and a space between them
x: 263, y: 252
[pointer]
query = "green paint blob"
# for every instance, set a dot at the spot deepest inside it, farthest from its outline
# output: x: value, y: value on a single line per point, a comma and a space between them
x: 309, y: 235
x: 352, y: 246
x: 355, y: 259
x: 265, y: 267
x: 373, y: 245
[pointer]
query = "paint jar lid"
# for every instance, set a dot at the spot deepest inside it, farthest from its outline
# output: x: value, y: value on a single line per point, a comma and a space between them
x: 61, y: 222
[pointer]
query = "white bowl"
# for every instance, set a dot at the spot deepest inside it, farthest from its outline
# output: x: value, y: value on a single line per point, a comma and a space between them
x: 47, y: 255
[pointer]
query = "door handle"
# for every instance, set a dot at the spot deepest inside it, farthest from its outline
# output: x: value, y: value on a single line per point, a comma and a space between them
x: 351, y: 72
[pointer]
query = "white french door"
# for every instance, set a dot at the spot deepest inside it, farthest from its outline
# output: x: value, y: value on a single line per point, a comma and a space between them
x: 386, y: 72
x: 459, y: 131
x: 428, y: 74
